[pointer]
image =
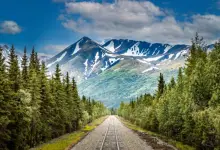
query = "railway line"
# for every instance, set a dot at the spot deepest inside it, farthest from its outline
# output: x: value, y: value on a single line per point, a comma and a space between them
x: 112, y: 135
x: 110, y: 139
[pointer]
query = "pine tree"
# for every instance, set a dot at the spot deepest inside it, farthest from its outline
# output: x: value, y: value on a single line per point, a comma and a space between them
x: 198, y: 85
x: 24, y: 72
x: 18, y: 125
x: 5, y: 106
x: 197, y: 51
x: 32, y: 64
x: 161, y: 86
x: 69, y: 103
x: 59, y: 97
x: 172, y: 83
x: 34, y: 89
x: 47, y: 104
x: 37, y: 62
x: 13, y: 70
x: 77, y: 105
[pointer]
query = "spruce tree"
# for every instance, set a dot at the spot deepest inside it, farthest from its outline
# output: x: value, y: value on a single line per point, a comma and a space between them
x: 32, y: 63
x: 37, y: 62
x: 13, y: 70
x: 34, y: 89
x: 172, y: 83
x: 59, y: 97
x: 5, y: 101
x: 77, y: 105
x: 47, y: 104
x: 161, y: 86
x: 24, y: 72
x: 17, y: 126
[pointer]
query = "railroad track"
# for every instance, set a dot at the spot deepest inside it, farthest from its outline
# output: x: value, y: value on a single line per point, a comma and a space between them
x: 110, y: 140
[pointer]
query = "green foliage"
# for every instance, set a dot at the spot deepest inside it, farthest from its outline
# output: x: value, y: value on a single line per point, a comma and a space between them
x: 24, y: 65
x: 188, y: 110
x: 161, y: 86
x: 35, y: 108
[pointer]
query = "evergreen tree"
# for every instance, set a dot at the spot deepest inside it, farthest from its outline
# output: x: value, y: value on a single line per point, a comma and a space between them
x: 5, y: 102
x: 37, y: 62
x: 197, y: 51
x: 47, y: 104
x: 172, y: 83
x: 161, y: 86
x: 13, y: 70
x: 24, y: 72
x: 32, y: 63
x: 77, y: 106
x: 34, y: 108
x: 35, y: 124
x: 59, y: 97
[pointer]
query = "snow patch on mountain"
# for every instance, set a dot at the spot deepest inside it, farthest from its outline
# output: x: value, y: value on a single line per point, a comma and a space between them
x: 86, y: 66
x: 119, y: 46
x: 168, y: 47
x: 143, y: 61
x: 96, y: 57
x: 170, y: 56
x: 133, y: 51
x: 113, y: 60
x: 111, y: 47
x: 153, y: 58
x: 151, y: 69
x: 179, y: 54
x: 77, y: 48
x: 57, y: 60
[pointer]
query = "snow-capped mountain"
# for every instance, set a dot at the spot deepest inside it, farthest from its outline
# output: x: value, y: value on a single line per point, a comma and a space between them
x: 140, y: 48
x: 104, y: 71
x: 80, y: 59
x: 86, y: 58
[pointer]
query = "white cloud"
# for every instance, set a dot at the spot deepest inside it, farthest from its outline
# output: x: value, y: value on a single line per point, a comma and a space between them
x: 55, y: 48
x: 9, y: 27
x: 140, y: 20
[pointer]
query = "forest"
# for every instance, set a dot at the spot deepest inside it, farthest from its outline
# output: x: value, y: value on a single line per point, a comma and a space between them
x: 35, y: 108
x: 187, y: 108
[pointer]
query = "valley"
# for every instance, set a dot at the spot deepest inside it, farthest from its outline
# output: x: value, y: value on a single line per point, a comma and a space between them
x: 119, y: 70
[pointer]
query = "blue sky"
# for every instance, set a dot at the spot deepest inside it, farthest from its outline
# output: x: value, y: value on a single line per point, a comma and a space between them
x: 51, y: 25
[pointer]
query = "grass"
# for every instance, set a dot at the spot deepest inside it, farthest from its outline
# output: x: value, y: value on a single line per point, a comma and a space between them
x: 177, y: 144
x: 68, y: 140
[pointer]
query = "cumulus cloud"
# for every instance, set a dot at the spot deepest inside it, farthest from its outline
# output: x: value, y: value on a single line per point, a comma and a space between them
x: 9, y: 27
x: 140, y: 20
x: 55, y: 48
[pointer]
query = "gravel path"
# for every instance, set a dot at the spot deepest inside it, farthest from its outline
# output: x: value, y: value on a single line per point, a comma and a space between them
x: 112, y: 135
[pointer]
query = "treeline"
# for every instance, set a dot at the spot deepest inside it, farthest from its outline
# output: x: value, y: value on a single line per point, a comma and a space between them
x: 35, y: 108
x: 186, y: 109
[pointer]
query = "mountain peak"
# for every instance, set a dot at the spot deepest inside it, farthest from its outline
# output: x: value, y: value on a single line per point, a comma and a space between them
x: 85, y: 38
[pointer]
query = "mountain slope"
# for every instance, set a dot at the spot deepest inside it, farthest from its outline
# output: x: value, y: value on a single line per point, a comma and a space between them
x: 119, y: 69
x: 79, y: 59
x: 141, y: 48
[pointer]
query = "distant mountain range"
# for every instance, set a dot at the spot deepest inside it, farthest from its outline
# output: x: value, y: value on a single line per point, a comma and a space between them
x: 86, y: 58
x: 119, y: 69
